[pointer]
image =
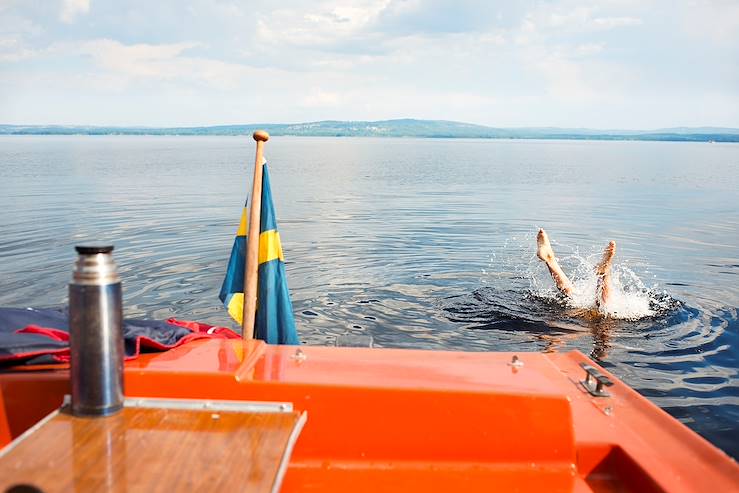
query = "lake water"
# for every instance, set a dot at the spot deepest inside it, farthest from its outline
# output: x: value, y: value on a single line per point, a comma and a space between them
x: 418, y: 243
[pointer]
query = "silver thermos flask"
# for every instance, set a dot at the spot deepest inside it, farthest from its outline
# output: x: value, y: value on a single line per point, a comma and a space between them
x: 96, y: 333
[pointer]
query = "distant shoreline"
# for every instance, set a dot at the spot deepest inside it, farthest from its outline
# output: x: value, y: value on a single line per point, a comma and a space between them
x: 724, y: 139
x: 408, y: 128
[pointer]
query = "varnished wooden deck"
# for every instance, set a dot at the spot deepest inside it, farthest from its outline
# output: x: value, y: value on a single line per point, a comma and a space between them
x: 153, y: 450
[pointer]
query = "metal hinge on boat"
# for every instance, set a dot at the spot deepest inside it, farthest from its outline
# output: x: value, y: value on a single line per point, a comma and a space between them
x: 201, y: 404
x: 594, y: 381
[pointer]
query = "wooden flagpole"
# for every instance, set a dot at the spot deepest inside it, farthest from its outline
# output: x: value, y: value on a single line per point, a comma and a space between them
x: 251, y: 265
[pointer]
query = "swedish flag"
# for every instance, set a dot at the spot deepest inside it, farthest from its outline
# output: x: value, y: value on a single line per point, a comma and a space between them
x: 274, y: 322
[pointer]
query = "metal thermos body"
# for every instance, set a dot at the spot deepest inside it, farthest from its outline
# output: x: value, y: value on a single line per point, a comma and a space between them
x: 96, y: 333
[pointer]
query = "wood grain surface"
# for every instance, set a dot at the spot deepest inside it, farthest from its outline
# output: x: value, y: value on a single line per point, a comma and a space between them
x: 153, y: 450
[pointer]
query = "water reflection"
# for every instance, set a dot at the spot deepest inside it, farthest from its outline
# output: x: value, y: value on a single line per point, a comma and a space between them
x: 383, y: 238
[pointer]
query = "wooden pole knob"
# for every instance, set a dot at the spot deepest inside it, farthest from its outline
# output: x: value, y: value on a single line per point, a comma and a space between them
x: 261, y: 136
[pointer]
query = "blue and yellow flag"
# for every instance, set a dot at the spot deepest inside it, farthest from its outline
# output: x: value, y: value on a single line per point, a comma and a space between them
x: 274, y: 322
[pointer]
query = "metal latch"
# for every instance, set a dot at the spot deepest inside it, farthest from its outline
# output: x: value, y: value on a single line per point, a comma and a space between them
x: 594, y: 381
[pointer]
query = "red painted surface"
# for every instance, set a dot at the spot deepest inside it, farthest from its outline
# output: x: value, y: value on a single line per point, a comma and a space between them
x: 396, y: 420
x: 5, y: 436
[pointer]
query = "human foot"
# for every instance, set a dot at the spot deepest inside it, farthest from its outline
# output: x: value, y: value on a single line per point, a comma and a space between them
x: 544, y: 248
x: 544, y: 252
x: 605, y: 265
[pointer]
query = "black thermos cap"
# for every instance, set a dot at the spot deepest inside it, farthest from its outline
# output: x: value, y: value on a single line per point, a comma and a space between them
x: 93, y: 249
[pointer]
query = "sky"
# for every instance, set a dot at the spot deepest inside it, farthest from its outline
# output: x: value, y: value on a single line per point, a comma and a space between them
x: 612, y: 64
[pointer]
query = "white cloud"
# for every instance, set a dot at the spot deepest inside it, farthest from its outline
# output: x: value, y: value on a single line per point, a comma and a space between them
x: 116, y: 64
x: 73, y: 8
x: 319, y: 98
x: 584, y: 18
x: 161, y: 62
x: 563, y: 62
x: 11, y: 50
x: 717, y: 20
x: 588, y: 49
x: 370, y: 101
x: 613, y: 22
x: 317, y: 25
x: 139, y: 60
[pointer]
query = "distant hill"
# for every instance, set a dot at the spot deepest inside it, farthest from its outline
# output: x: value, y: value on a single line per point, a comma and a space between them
x: 394, y: 128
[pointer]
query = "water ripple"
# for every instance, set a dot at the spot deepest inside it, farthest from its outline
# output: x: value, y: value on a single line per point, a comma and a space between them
x: 385, y: 238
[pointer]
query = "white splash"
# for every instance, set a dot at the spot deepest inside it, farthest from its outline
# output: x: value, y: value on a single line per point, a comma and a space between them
x: 629, y: 298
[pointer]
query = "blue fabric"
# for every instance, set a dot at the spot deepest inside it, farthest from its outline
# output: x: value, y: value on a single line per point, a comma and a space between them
x: 35, y: 348
x: 274, y: 321
x: 234, y: 280
x: 268, y: 220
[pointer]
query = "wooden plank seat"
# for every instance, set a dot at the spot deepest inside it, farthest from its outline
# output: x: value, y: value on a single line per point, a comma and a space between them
x: 156, y: 446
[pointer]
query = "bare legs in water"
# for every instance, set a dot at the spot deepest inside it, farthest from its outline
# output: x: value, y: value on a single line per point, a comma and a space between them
x: 602, y: 270
x: 546, y: 254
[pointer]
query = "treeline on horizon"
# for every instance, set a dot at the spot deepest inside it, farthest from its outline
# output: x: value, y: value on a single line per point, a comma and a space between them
x: 391, y: 128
